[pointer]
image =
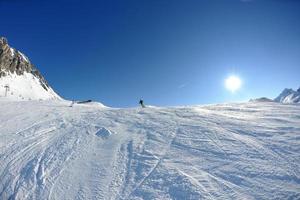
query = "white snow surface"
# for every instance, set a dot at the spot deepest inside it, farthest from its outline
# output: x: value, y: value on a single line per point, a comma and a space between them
x: 24, y: 87
x: 49, y: 150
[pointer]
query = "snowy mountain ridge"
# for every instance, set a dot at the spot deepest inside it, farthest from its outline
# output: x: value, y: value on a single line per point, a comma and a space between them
x: 288, y: 96
x: 19, y: 78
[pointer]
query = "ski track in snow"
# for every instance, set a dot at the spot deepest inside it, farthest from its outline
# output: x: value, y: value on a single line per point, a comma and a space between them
x: 49, y: 150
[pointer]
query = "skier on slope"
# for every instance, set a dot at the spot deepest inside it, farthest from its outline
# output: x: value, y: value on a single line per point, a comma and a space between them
x: 142, y: 103
x: 73, y: 102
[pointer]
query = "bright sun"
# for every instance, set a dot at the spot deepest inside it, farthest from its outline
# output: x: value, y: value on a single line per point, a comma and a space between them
x: 233, y: 83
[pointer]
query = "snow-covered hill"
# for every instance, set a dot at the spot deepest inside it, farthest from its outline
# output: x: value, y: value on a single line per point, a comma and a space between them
x: 49, y: 150
x: 19, y: 79
x: 261, y: 99
x: 288, y: 96
x: 24, y: 87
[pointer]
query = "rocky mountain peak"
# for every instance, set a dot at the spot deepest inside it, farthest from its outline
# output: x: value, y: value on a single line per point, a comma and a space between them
x: 12, y: 60
x: 3, y: 41
x: 288, y: 96
x: 14, y: 63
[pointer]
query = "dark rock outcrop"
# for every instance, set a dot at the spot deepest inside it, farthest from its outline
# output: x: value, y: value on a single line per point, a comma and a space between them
x: 13, y: 61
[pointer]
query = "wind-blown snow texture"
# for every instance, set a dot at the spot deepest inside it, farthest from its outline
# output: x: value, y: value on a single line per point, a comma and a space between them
x: 49, y: 150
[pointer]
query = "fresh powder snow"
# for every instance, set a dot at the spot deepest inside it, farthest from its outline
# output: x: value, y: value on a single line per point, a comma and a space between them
x: 49, y: 150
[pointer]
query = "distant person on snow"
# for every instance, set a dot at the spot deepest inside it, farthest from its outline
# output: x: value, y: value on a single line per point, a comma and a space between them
x: 73, y: 102
x: 142, y: 103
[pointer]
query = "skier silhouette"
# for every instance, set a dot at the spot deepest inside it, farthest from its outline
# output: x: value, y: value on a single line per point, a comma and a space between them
x: 142, y: 103
x: 73, y: 102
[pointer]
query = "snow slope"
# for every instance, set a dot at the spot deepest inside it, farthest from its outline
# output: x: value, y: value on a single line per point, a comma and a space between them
x: 24, y: 87
x: 49, y: 150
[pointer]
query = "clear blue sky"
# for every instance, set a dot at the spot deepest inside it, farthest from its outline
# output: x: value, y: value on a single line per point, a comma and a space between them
x: 167, y: 52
